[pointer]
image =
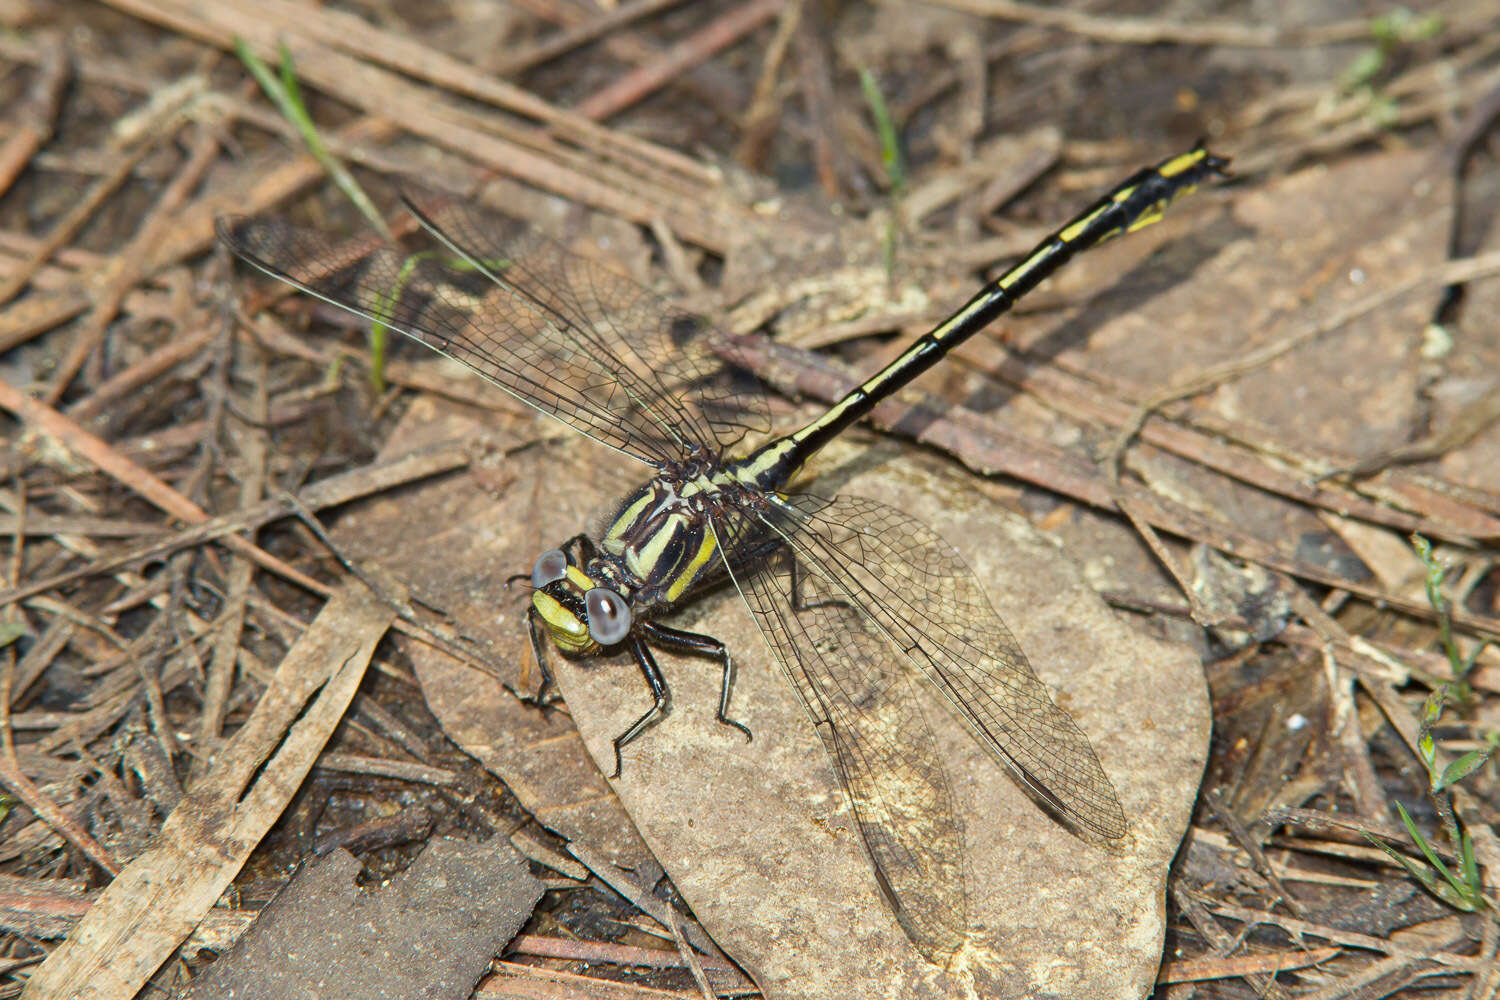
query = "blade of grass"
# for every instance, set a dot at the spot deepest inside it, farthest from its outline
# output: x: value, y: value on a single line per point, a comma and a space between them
x: 885, y: 127
x: 1430, y: 882
x: 1466, y: 765
x: 1453, y: 891
x: 286, y: 94
x: 890, y: 156
x: 1421, y: 842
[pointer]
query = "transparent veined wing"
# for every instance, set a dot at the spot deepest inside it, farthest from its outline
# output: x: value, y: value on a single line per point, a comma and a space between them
x: 563, y: 333
x: 923, y: 599
x: 862, y: 701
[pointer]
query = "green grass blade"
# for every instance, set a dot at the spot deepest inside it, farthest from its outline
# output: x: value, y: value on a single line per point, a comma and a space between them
x: 885, y: 127
x: 10, y: 632
x: 1460, y: 769
x: 1439, y: 888
x: 283, y: 90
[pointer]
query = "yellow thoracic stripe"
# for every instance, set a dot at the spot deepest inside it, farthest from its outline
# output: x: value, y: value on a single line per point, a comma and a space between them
x: 690, y: 572
x: 626, y: 518
x: 646, y: 561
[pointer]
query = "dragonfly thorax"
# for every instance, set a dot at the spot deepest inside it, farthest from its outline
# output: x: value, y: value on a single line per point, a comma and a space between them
x: 662, y: 539
x: 658, y: 544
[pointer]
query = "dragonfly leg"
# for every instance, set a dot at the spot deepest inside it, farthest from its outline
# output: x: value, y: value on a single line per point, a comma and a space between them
x: 705, y: 645
x: 794, y: 588
x: 660, y: 696
x: 545, y: 693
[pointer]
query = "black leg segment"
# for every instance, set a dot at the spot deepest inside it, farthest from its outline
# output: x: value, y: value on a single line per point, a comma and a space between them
x: 706, y: 645
x: 794, y: 587
x: 534, y: 629
x: 660, y: 696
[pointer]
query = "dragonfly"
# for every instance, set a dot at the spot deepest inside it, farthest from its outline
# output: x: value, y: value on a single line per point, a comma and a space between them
x: 862, y: 604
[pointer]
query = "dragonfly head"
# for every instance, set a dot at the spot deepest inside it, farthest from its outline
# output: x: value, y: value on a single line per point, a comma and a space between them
x: 581, y: 615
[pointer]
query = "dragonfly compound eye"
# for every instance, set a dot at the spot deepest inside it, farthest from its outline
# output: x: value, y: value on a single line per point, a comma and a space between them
x: 609, y: 616
x: 550, y: 567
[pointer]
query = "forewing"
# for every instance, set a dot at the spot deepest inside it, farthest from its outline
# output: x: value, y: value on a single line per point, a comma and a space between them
x: 862, y: 700
x: 921, y: 596
x: 526, y: 315
x: 693, y: 368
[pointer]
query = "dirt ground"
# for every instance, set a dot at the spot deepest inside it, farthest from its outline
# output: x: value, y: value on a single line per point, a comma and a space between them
x: 268, y: 723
